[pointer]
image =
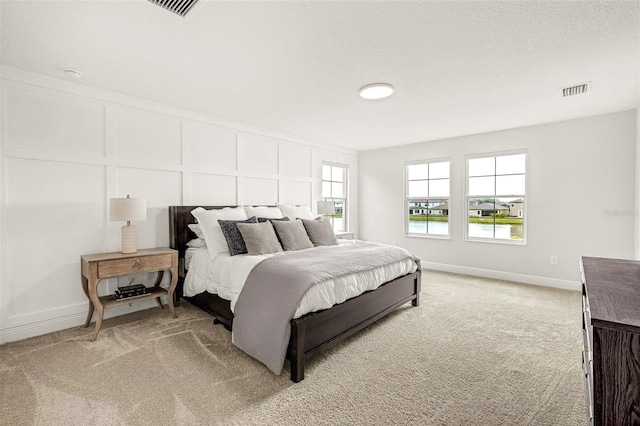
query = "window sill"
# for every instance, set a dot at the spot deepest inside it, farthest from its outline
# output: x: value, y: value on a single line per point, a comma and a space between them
x: 429, y: 236
x: 496, y: 241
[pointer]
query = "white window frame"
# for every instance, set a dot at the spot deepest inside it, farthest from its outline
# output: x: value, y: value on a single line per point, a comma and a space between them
x: 524, y: 197
x: 407, y: 199
x: 345, y: 192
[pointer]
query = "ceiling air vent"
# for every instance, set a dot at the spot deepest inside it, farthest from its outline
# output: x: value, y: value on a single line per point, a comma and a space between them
x: 577, y: 89
x: 179, y: 7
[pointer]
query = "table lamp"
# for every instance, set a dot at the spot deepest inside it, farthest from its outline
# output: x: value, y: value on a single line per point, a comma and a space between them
x: 326, y: 207
x: 128, y: 209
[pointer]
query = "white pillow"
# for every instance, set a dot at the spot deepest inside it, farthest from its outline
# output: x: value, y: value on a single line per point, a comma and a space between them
x: 266, y: 212
x: 296, y: 212
x: 197, y: 243
x: 195, y: 228
x: 208, y: 221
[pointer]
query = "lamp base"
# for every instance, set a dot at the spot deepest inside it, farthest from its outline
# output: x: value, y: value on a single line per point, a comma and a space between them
x: 129, y: 239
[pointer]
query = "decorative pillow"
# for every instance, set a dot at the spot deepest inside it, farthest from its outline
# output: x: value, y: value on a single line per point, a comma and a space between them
x: 295, y: 212
x: 195, y: 228
x: 259, y: 238
x: 292, y: 235
x: 208, y: 221
x: 197, y: 243
x: 233, y: 236
x: 267, y: 212
x: 320, y: 232
x: 264, y: 219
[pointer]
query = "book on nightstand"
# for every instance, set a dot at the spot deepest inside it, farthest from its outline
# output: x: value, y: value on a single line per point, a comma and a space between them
x: 129, y: 291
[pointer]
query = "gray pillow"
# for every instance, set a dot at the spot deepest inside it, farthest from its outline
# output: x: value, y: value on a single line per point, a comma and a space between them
x: 269, y: 219
x: 259, y: 238
x: 292, y: 235
x: 235, y: 242
x: 320, y: 232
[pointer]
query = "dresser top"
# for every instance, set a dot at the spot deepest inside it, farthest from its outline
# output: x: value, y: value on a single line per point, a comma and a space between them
x: 613, y: 289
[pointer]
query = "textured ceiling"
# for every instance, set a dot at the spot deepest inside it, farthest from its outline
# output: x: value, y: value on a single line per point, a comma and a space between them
x: 459, y: 68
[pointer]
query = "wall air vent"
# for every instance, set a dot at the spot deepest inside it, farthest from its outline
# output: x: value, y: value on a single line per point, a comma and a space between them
x: 577, y: 89
x: 179, y: 7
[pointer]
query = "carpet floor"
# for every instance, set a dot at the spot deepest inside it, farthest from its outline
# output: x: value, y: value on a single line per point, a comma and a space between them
x: 475, y: 352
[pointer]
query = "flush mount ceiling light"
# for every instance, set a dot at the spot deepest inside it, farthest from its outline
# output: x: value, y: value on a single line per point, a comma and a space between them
x: 72, y: 74
x: 376, y: 91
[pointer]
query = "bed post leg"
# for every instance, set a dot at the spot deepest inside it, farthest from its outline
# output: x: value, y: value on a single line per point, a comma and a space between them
x: 416, y: 301
x: 177, y: 294
x: 297, y: 351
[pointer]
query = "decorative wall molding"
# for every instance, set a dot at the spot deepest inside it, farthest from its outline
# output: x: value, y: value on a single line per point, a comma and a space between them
x: 172, y: 156
x: 25, y: 77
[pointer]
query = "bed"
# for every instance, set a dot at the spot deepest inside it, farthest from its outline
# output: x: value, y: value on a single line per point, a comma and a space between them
x: 311, y: 333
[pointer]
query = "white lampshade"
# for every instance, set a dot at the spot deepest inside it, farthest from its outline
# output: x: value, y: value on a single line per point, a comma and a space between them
x: 127, y: 209
x: 326, y: 207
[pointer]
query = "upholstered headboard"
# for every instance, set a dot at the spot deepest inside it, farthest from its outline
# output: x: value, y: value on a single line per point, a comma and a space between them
x: 179, y: 232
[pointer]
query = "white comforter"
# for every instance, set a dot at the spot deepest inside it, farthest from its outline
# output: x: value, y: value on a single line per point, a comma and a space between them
x: 226, y: 275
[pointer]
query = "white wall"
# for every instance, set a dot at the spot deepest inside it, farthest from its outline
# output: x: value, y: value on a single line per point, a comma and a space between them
x: 67, y: 149
x: 637, y: 212
x: 578, y: 170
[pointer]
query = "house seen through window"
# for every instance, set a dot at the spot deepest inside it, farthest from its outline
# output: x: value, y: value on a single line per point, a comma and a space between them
x: 496, y: 198
x: 427, y: 198
x: 335, y: 188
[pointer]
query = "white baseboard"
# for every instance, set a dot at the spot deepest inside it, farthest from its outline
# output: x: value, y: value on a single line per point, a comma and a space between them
x: 38, y: 328
x: 25, y: 331
x: 506, y: 276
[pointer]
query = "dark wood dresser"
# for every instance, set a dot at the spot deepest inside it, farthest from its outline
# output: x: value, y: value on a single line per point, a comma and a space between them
x: 611, y: 334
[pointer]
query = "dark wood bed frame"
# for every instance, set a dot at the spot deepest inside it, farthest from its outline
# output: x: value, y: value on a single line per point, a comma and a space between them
x: 312, y: 333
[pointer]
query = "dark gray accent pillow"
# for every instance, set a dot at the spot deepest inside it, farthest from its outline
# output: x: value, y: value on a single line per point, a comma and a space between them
x: 264, y: 219
x: 292, y: 235
x: 259, y: 238
x: 233, y: 236
x: 320, y: 232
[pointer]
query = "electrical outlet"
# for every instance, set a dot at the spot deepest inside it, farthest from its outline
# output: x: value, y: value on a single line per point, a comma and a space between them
x: 554, y: 260
x: 395, y: 243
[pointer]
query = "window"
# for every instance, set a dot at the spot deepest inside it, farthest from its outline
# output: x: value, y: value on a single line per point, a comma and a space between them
x: 427, y: 198
x: 496, y: 197
x: 335, y: 179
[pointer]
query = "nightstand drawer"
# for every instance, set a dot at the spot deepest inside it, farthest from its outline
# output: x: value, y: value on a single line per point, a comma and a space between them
x: 119, y: 267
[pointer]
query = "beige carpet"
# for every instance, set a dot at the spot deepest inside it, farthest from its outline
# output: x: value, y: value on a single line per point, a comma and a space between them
x: 476, y: 352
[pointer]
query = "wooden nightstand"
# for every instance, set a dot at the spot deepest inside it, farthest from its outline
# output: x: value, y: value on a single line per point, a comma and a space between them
x: 96, y: 267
